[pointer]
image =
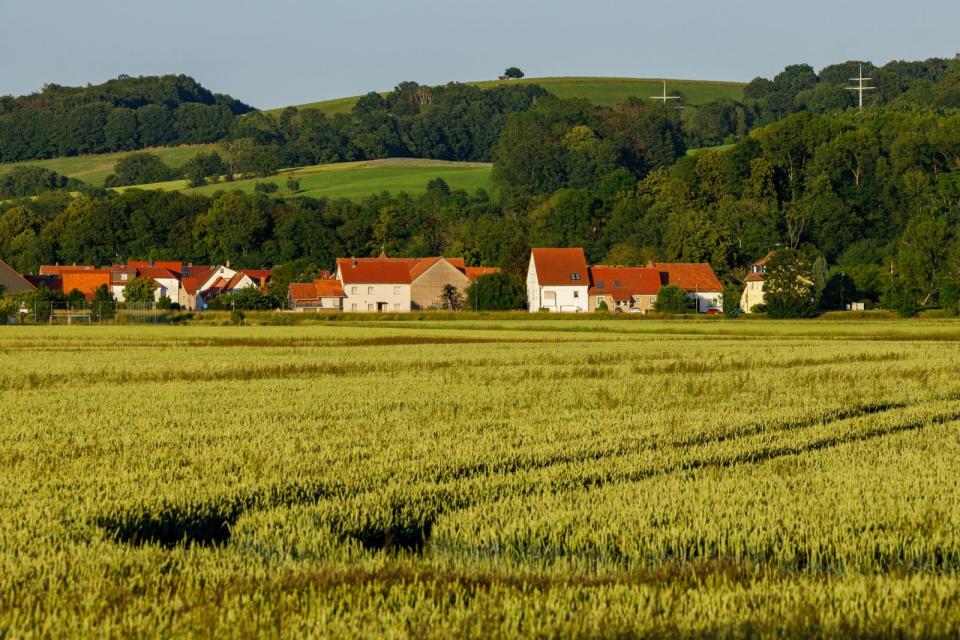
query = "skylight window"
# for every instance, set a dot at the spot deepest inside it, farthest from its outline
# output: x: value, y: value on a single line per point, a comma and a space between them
x: 616, y: 283
x: 599, y: 284
x: 574, y: 276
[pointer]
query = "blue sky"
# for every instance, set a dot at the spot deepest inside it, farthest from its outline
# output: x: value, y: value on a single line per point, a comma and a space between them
x: 277, y: 52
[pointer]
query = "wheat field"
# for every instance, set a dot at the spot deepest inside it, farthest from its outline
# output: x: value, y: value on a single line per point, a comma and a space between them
x: 481, y: 479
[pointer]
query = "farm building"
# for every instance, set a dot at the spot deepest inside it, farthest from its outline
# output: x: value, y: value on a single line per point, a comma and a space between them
x: 402, y: 284
x: 319, y: 295
x: 557, y: 280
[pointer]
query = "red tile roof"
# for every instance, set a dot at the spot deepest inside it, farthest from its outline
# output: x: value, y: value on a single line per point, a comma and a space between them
x: 172, y: 265
x: 374, y: 271
x: 316, y: 290
x: 190, y: 284
x: 156, y: 273
x: 561, y: 267
x: 622, y: 283
x: 259, y: 276
x: 754, y: 277
x: 691, y: 276
x: 475, y: 272
x: 57, y: 269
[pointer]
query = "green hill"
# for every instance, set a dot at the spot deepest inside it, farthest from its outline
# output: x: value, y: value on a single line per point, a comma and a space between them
x: 354, y: 180
x: 599, y: 90
x: 93, y: 169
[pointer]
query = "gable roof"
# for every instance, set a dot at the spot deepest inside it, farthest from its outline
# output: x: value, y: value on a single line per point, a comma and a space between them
x: 11, y: 281
x: 560, y: 267
x: 171, y: 265
x: 690, y: 276
x: 373, y: 271
x: 156, y: 273
x: 622, y: 283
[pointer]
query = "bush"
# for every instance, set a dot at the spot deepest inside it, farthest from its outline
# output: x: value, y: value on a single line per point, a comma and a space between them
x: 266, y: 187
x: 602, y: 307
x: 23, y: 182
x: 495, y: 292
x: 140, y: 168
x: 673, y: 299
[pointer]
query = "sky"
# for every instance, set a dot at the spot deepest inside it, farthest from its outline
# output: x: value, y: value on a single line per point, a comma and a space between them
x: 273, y: 53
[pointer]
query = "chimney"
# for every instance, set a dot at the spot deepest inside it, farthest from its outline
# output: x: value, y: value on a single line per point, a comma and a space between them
x: 228, y: 264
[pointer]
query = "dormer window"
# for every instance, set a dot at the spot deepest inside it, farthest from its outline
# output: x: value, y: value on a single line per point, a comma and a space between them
x: 616, y: 283
x: 574, y: 276
x: 599, y: 284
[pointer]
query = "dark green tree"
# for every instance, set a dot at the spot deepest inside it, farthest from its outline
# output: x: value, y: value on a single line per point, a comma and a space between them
x: 789, y: 286
x: 673, y: 299
x: 495, y: 292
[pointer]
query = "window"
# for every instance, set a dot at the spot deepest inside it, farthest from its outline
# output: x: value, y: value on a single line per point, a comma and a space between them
x: 397, y: 290
x: 653, y: 301
x: 369, y: 306
x: 599, y: 284
x: 576, y: 294
x: 354, y: 291
x: 123, y: 276
x: 616, y: 283
x: 353, y: 307
x: 600, y: 299
x: 574, y: 276
x: 369, y: 291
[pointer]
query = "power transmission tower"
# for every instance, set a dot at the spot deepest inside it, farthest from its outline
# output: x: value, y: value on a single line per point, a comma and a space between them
x: 860, y: 88
x: 665, y: 97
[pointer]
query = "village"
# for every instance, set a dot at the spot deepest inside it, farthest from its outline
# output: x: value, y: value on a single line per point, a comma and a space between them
x: 557, y: 280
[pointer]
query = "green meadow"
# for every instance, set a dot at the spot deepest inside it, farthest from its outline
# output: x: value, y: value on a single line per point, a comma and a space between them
x: 354, y: 180
x: 93, y: 169
x: 602, y: 91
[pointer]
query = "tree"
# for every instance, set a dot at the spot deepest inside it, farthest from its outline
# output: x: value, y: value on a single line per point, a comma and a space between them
x: 789, y: 288
x: 139, y: 168
x: 513, y: 73
x: 451, y: 299
x: 104, y: 305
x: 731, y: 299
x: 495, y: 292
x: 203, y: 166
x: 673, y: 299
x: 293, y: 185
x: 139, y: 291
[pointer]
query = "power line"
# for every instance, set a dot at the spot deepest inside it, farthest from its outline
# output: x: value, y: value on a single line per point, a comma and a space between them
x: 663, y: 98
x: 860, y: 88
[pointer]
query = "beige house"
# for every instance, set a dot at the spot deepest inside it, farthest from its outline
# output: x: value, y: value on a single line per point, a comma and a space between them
x: 753, y: 291
x: 429, y: 276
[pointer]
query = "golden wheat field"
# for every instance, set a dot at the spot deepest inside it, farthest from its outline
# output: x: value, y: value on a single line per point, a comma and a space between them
x: 481, y: 479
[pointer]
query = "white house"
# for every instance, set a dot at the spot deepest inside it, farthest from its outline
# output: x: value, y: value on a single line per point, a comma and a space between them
x: 557, y: 280
x: 374, y: 285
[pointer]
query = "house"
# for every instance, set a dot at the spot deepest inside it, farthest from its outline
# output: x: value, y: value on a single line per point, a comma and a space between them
x: 697, y: 279
x: 557, y: 280
x: 753, y: 291
x: 224, y: 280
x: 629, y: 289
x: 429, y: 277
x: 319, y: 295
x: 191, y: 280
x: 12, y: 282
x: 374, y: 284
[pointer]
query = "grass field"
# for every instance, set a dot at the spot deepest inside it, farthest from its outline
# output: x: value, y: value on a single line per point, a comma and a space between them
x: 483, y: 478
x: 354, y: 180
x: 93, y: 169
x: 599, y: 90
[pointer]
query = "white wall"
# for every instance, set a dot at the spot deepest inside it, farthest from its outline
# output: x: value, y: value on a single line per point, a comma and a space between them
x: 565, y: 298
x: 707, y: 299
x: 360, y: 297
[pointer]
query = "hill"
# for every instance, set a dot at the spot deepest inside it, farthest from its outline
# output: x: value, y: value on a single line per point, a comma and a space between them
x: 599, y: 90
x: 354, y: 180
x: 93, y: 168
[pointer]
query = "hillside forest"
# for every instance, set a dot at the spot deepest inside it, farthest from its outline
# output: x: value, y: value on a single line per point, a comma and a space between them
x: 870, y: 199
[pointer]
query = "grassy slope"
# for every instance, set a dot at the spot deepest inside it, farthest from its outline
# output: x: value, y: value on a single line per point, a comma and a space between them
x: 93, y: 169
x: 355, y: 180
x: 602, y: 91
